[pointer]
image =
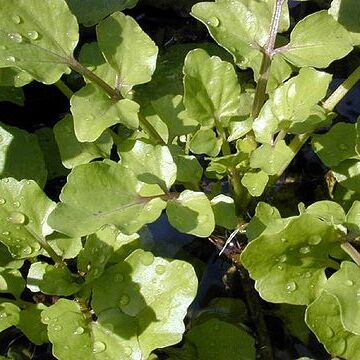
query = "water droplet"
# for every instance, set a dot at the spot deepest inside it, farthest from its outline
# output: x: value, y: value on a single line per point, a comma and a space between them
x: 98, y: 347
x: 10, y: 59
x: 15, y: 37
x: 57, y: 327
x: 307, y: 274
x: 33, y: 35
x: 147, y: 258
x: 17, y: 204
x: 349, y: 283
x: 329, y: 332
x: 128, y: 350
x: 27, y: 250
x: 108, y: 328
x: 17, y: 217
x: 160, y: 269
x: 291, y: 286
x: 118, y: 277
x: 304, y: 250
x: 341, y: 346
x: 16, y: 19
x: 3, y: 315
x: 124, y: 300
x: 46, y: 319
x: 279, y: 267
x: 78, y: 331
x: 314, y: 240
x: 282, y: 258
x: 343, y: 147
x: 213, y: 21
x: 6, y: 233
x: 283, y: 240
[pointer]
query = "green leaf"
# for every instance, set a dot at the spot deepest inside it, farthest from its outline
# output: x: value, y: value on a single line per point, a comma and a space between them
x: 255, y: 182
x: 64, y: 246
x: 75, y: 153
x: 294, y: 100
x: 24, y: 210
x: 239, y: 127
x: 170, y: 110
x: 73, y: 336
x: 94, y: 111
x: 242, y: 27
x: 154, y: 297
x: 347, y: 13
x: 224, y: 211
x: 11, y: 94
x: 90, y: 12
x: 11, y: 282
x: 205, y: 141
x: 266, y: 124
x: 323, y: 318
x: 51, y: 153
x: 317, y: 40
x: 270, y: 158
x: 265, y: 214
x: 337, y: 145
x: 38, y: 37
x: 51, y: 279
x: 20, y: 155
x: 353, y: 219
x: 98, y: 250
x: 102, y: 193
x: 329, y: 211
x: 152, y: 164
x: 14, y: 77
x: 289, y: 265
x: 189, y: 171
x: 214, y: 339
x: 211, y: 88
x: 7, y: 261
x: 345, y: 286
x: 9, y: 315
x: 129, y: 50
x: 191, y: 213
x: 347, y: 174
x: 30, y: 324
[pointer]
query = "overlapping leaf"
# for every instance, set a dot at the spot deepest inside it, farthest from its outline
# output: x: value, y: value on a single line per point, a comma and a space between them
x: 75, y: 153
x: 30, y: 41
x: 129, y: 50
x: 24, y: 210
x: 211, y: 88
x: 289, y: 265
x: 150, y: 295
x: 102, y: 193
x: 224, y: 211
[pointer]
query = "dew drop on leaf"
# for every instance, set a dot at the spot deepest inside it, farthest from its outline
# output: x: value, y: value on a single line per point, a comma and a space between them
x: 15, y: 37
x: 10, y: 59
x: 46, y: 319
x: 314, y: 240
x: 98, y: 347
x: 147, y: 258
x: 124, y: 300
x: 349, y: 283
x: 3, y: 315
x: 280, y: 267
x: 284, y: 240
x: 329, y: 332
x: 16, y: 19
x: 27, y: 250
x: 57, y: 327
x: 160, y: 269
x: 291, y: 286
x: 118, y: 277
x: 6, y: 233
x: 79, y: 330
x: 282, y: 258
x: 304, y: 250
x: 307, y: 274
x: 2, y: 201
x: 33, y: 35
x: 213, y: 21
x: 128, y: 350
x: 17, y: 204
x: 17, y: 217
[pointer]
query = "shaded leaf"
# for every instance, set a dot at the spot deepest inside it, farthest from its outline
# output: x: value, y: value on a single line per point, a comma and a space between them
x: 9, y: 315
x: 11, y: 94
x: 224, y: 211
x: 255, y: 183
x: 11, y: 282
x: 205, y: 141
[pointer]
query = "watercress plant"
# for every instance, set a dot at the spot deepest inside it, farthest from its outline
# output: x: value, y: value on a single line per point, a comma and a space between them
x: 201, y: 132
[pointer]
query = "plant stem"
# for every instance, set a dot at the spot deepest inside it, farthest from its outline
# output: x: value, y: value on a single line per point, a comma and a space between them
x: 351, y: 251
x: 268, y: 52
x: 256, y: 313
x: 64, y: 89
x: 115, y: 94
